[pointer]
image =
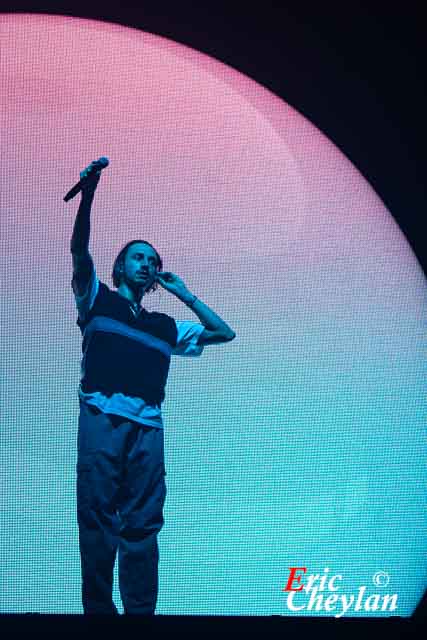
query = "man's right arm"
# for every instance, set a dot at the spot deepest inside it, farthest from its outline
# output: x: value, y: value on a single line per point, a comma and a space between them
x: 83, y: 266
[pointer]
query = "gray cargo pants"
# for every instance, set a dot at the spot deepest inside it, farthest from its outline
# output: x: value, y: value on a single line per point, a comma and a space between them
x: 121, y: 491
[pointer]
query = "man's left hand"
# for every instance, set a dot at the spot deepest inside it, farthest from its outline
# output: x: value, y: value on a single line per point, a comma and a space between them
x: 172, y: 283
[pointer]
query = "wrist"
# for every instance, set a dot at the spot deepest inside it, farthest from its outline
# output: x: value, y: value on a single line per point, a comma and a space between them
x: 87, y: 194
x: 189, y: 299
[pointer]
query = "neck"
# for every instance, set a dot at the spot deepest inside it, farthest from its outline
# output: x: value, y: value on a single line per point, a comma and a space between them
x: 133, y: 295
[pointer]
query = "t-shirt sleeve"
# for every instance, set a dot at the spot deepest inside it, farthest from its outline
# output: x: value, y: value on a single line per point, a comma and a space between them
x: 84, y: 303
x: 188, y: 334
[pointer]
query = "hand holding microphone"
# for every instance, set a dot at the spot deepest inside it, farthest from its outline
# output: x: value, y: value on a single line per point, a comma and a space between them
x: 89, y: 178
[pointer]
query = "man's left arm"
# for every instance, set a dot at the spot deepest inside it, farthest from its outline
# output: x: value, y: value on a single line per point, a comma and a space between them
x: 216, y: 330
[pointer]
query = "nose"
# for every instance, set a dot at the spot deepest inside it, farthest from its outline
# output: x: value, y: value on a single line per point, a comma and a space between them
x: 144, y: 266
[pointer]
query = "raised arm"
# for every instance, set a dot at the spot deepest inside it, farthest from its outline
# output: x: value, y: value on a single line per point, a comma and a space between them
x: 82, y: 260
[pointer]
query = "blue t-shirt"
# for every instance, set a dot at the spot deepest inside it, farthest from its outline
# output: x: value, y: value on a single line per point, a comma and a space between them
x: 136, y: 409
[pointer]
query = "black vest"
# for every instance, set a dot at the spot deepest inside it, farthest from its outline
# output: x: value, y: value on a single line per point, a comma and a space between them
x: 123, y: 353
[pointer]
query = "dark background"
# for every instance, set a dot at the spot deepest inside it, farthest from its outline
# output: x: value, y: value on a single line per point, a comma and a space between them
x: 354, y: 70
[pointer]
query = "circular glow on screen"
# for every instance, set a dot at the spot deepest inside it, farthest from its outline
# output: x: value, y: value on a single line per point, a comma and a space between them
x: 299, y: 443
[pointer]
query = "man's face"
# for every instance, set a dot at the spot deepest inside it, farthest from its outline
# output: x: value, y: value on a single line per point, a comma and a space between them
x: 140, y: 265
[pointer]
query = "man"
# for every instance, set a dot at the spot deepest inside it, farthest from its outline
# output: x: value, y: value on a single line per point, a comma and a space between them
x: 121, y: 485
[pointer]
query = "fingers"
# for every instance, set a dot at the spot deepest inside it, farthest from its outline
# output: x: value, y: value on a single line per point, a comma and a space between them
x: 165, y: 275
x: 89, y: 171
x: 90, y: 177
x: 84, y: 173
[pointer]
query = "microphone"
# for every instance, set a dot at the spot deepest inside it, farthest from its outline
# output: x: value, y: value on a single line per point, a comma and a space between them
x: 96, y: 165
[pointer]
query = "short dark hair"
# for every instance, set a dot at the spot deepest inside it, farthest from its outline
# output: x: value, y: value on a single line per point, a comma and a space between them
x: 119, y: 263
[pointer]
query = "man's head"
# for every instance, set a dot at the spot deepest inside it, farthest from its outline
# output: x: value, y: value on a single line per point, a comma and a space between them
x: 137, y: 264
